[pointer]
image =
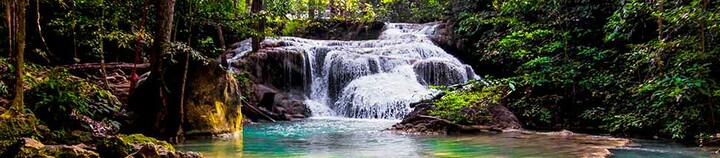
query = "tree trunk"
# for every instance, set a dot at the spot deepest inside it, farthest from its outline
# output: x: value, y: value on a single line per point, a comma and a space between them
x: 18, y: 22
x: 76, y: 59
x: 10, y: 25
x: 103, y: 70
x: 181, y: 132
x: 221, y: 37
x: 39, y: 28
x: 259, y: 25
x: 165, y: 11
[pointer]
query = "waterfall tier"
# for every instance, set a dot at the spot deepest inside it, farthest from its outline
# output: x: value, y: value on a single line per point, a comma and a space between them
x: 374, y: 79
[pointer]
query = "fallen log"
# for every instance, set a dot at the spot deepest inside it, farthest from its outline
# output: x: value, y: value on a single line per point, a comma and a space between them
x: 252, y: 110
x: 113, y: 65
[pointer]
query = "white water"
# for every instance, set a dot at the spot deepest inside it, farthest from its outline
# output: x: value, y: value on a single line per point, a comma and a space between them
x: 375, y: 79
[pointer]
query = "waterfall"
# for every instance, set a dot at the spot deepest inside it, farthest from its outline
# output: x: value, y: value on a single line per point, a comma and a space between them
x: 375, y: 79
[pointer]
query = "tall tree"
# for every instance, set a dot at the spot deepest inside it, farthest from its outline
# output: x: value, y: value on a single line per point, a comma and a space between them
x: 9, y: 22
x: 259, y: 25
x: 164, y: 119
x: 16, y: 21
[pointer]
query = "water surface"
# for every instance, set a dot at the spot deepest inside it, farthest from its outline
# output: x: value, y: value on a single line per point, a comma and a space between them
x: 342, y: 137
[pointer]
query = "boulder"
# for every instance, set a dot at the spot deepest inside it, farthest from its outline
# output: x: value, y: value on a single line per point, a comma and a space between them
x: 277, y: 105
x: 419, y: 121
x: 212, y: 103
x: 282, y: 68
x: 268, y: 71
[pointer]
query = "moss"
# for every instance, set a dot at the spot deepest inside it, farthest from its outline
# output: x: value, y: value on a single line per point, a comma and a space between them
x: 114, y: 147
x: 141, y: 139
x: 13, y: 128
x: 123, y: 145
x: 467, y: 106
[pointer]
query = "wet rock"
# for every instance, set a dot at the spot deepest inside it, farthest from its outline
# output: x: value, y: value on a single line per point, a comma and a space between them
x: 282, y: 68
x: 441, y: 72
x: 279, y: 106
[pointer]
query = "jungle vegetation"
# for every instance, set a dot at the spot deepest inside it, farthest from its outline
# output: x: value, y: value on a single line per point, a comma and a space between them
x: 627, y: 67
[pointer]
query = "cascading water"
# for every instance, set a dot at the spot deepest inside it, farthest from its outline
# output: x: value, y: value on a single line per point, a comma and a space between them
x: 375, y: 79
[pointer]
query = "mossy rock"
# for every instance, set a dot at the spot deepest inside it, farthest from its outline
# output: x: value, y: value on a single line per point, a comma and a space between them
x: 27, y: 148
x: 211, y: 107
x: 136, y: 139
x: 214, y: 103
x: 124, y: 145
x: 13, y: 128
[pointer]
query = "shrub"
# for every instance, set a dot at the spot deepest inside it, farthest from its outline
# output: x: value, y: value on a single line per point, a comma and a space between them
x: 467, y: 106
x: 60, y: 99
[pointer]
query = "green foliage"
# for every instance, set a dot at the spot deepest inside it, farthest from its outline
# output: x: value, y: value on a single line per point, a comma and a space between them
x: 293, y: 26
x: 626, y: 66
x: 410, y: 11
x: 181, y: 49
x: 92, y: 26
x: 62, y: 99
x: 82, y: 30
x: 467, y: 106
x: 7, y: 76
